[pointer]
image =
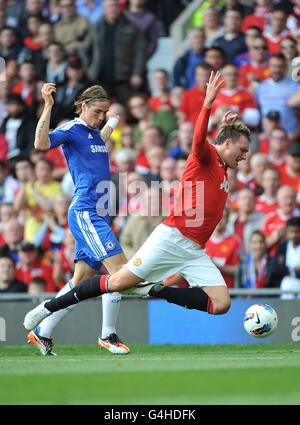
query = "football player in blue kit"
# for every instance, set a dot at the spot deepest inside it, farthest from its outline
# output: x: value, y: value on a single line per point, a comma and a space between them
x: 83, y: 142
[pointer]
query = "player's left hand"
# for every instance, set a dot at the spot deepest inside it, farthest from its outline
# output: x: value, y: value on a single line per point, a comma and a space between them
x: 229, y: 118
x: 216, y: 81
x: 110, y: 114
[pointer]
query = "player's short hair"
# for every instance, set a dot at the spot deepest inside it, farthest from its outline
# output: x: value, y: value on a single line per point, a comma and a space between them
x: 233, y: 132
x: 92, y: 94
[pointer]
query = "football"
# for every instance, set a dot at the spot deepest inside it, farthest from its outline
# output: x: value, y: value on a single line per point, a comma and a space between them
x: 260, y: 320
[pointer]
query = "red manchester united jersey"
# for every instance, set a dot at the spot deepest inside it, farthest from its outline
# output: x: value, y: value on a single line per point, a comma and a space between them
x: 204, y: 188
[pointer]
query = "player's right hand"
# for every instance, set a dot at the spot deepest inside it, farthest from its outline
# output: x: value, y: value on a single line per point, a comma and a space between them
x: 216, y: 81
x: 47, y: 90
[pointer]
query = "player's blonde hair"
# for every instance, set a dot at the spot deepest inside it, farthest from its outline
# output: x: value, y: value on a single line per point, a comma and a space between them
x: 233, y: 132
x: 92, y: 94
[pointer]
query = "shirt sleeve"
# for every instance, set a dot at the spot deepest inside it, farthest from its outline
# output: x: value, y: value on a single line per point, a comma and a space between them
x: 58, y: 137
x: 200, y: 146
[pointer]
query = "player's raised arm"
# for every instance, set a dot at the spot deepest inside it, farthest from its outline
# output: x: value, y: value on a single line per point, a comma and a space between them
x: 214, y: 84
x: 41, y: 141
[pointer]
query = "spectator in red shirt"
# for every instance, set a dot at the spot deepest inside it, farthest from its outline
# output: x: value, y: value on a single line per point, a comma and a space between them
x: 267, y: 202
x: 192, y: 99
x: 223, y: 249
x: 246, y: 220
x: 274, y: 225
x: 290, y: 172
x: 237, y: 98
x: 256, y: 70
x: 277, y: 31
x: 161, y: 100
x: 31, y: 267
x: 270, y: 122
x: 27, y: 84
x: 260, y: 17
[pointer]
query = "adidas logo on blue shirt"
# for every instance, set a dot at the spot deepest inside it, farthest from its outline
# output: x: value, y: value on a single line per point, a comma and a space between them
x: 90, y: 136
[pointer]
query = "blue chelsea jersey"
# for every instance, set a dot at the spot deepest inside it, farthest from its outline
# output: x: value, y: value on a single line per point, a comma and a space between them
x: 88, y: 162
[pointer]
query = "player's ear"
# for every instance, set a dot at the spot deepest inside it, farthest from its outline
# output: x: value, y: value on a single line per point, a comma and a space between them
x: 227, y: 143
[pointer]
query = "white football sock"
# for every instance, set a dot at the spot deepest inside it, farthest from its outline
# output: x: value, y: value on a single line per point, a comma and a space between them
x: 47, y: 326
x: 110, y: 311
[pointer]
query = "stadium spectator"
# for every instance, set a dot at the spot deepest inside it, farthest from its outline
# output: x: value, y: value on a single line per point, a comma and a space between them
x: 37, y: 197
x: 246, y: 219
x: 233, y: 40
x: 212, y: 25
x: 170, y: 181
x: 185, y: 138
x: 267, y: 201
x: 250, y: 35
x: 7, y: 213
x: 12, y: 236
x: 290, y: 171
x: 252, y: 73
x: 10, y: 46
x: 259, y: 163
x: 115, y: 53
x: 127, y: 139
x: 237, y: 98
x: 223, y: 249
x: 161, y: 91
x: 26, y: 85
x: 67, y: 93
x: 30, y: 266
x: 155, y: 156
x: 278, y: 148
x: 140, y: 225
x: 215, y: 57
x: 184, y: 68
x: 285, y: 267
x: 256, y: 264
x: 120, y: 111
x: 139, y: 110
x: 31, y: 40
x: 17, y: 128
x: 8, y: 280
x: 56, y: 65
x: 71, y: 29
x: 260, y: 17
x: 192, y: 99
x: 138, y: 14
x: 274, y: 225
x: 36, y: 286
x: 269, y: 123
x: 8, y: 185
x: 273, y: 94
x: 91, y: 10
x: 63, y: 261
x: 288, y: 47
x: 277, y: 31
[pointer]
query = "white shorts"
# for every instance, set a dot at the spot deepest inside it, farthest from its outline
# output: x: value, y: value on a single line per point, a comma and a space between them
x: 166, y: 252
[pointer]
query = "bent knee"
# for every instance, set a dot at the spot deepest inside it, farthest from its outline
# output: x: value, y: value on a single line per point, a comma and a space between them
x: 221, y: 307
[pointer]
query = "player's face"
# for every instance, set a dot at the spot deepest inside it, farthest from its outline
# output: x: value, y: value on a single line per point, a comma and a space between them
x: 236, y: 151
x: 94, y: 114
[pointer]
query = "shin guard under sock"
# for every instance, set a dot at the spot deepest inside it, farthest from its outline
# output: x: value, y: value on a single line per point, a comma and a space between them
x: 191, y: 298
x: 89, y: 288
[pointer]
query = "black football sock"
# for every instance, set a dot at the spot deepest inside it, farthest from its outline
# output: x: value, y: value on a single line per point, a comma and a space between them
x: 89, y: 288
x: 191, y: 298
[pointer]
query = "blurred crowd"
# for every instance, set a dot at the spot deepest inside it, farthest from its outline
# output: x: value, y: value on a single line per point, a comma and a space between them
x: 76, y: 44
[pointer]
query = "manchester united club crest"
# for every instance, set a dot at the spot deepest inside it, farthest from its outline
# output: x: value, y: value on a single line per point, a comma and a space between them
x: 137, y: 262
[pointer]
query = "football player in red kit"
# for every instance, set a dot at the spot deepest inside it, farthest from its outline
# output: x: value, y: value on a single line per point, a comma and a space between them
x: 178, y: 244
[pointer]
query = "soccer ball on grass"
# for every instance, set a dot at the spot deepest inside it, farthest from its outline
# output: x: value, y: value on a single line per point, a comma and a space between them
x: 260, y: 320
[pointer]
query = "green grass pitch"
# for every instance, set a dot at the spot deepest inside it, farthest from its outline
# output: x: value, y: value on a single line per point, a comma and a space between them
x: 191, y: 374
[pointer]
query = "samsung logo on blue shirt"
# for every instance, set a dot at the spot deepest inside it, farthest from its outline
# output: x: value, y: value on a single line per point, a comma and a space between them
x: 98, y: 148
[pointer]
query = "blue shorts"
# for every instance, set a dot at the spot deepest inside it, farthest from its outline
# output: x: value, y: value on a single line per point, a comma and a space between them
x: 94, y: 238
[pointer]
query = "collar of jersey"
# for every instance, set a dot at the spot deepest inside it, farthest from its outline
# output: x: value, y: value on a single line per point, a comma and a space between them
x: 81, y: 121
